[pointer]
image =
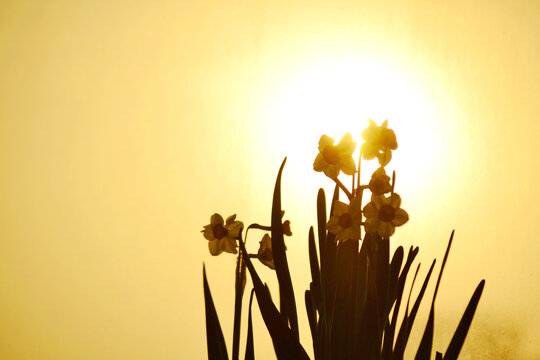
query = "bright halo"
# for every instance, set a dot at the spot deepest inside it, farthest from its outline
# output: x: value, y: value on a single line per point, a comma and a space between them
x: 337, y: 96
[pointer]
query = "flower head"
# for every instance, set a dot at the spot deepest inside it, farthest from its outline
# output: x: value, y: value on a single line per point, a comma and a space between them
x: 286, y: 225
x: 222, y: 236
x: 380, y: 182
x: 379, y: 142
x: 346, y: 220
x: 383, y: 214
x: 335, y: 158
x: 265, y: 252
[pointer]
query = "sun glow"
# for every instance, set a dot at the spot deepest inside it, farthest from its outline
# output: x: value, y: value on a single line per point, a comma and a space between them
x: 335, y: 96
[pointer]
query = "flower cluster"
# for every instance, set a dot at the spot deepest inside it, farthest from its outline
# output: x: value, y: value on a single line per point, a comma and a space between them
x: 383, y: 213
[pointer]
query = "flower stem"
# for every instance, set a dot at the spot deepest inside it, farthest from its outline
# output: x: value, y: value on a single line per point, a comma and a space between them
x: 240, y: 284
x: 343, y: 187
x: 359, y: 167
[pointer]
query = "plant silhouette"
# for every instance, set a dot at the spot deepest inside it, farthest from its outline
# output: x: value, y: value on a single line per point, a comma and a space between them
x: 357, y: 289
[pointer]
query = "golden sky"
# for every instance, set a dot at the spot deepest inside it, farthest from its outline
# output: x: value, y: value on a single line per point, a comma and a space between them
x: 125, y: 124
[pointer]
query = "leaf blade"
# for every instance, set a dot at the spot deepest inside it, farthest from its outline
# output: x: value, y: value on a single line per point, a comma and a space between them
x: 217, y: 350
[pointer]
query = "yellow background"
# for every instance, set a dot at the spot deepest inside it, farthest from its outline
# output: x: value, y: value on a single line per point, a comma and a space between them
x: 125, y: 124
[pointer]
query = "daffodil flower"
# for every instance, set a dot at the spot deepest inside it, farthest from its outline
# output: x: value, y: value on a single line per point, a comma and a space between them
x: 335, y: 158
x: 383, y: 214
x: 286, y: 225
x: 265, y: 252
x: 380, y: 141
x: 380, y: 182
x: 222, y: 236
x: 346, y: 220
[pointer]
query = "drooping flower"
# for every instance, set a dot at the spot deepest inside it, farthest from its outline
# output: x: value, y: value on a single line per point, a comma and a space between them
x: 286, y: 225
x: 222, y: 236
x: 265, y: 252
x: 346, y: 220
x: 380, y: 141
x: 383, y: 214
x: 380, y: 182
x: 335, y: 158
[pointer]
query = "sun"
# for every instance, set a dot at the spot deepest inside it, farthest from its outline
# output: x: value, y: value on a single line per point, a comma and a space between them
x: 334, y: 96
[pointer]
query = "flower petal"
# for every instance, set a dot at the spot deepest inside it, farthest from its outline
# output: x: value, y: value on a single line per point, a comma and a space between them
x: 230, y: 219
x: 346, y: 145
x: 229, y: 245
x: 355, y: 233
x: 340, y: 208
x: 215, y: 247
x: 325, y: 141
x: 320, y: 163
x: 388, y: 139
x: 394, y: 200
x: 332, y: 171
x: 378, y: 200
x: 386, y: 229
x: 372, y: 224
x: 370, y: 210
x: 400, y: 217
x: 369, y: 150
x: 234, y: 229
x: 333, y: 225
x: 266, y: 242
x: 345, y: 234
x: 216, y: 219
x: 379, y: 172
x: 348, y: 165
x: 208, y: 232
x: 385, y: 157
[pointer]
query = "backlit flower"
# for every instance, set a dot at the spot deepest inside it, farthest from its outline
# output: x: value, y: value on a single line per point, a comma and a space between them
x: 346, y: 220
x: 379, y: 142
x: 383, y: 214
x: 265, y: 252
x: 222, y: 236
x: 335, y: 158
x: 380, y: 182
x: 286, y: 225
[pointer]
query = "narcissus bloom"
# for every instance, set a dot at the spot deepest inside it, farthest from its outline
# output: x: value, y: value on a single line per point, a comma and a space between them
x: 286, y: 225
x: 222, y: 236
x: 265, y: 252
x: 346, y: 220
x: 383, y: 214
x: 335, y: 158
x: 379, y: 142
x: 380, y: 182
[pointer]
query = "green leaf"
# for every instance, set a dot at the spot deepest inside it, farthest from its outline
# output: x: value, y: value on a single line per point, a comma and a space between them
x: 239, y: 293
x: 250, y: 350
x: 315, y: 272
x: 286, y: 292
x: 285, y: 341
x: 217, y: 350
x: 463, y: 328
x: 426, y: 344
x: 408, y: 321
x: 312, y: 318
x: 342, y: 326
x: 394, y: 294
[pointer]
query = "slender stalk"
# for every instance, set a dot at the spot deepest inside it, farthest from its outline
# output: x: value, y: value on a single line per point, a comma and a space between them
x: 393, y: 181
x: 343, y: 187
x: 359, y: 167
x: 240, y: 284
